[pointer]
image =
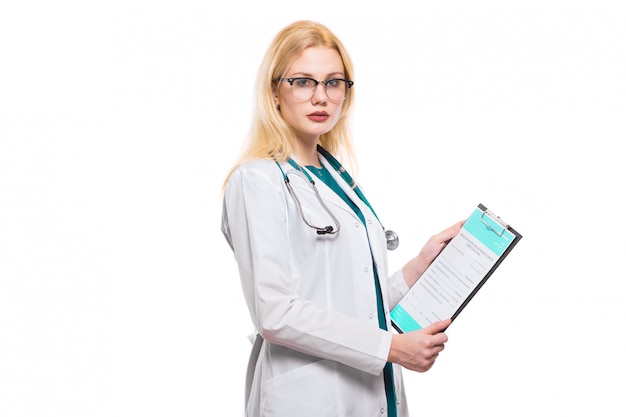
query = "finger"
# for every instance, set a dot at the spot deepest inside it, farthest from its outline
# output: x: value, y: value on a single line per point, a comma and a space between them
x: 450, y: 232
x: 437, y: 327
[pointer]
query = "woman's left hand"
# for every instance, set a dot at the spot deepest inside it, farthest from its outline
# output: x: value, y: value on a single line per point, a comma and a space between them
x: 416, y: 266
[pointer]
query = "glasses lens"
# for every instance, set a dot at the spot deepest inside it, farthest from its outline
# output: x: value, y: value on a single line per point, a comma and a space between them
x: 302, y: 88
x: 336, y: 89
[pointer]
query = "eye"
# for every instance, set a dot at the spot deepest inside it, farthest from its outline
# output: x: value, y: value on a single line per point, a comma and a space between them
x: 333, y: 83
x: 302, y: 82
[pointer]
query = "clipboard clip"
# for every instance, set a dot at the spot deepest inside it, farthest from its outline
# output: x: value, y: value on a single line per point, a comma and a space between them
x: 495, y: 219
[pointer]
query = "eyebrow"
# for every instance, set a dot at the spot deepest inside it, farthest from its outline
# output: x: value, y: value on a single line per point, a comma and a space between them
x: 306, y: 74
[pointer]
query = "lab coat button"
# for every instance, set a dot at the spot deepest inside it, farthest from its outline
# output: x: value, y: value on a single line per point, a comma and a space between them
x: 369, y: 221
x: 382, y: 411
x: 357, y: 224
x: 367, y: 269
x: 371, y: 316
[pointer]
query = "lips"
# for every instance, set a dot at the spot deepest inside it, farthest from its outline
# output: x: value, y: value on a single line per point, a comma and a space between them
x: 318, y: 116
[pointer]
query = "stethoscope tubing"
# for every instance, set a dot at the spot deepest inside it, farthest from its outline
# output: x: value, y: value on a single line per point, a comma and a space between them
x: 390, y: 236
x: 320, y: 230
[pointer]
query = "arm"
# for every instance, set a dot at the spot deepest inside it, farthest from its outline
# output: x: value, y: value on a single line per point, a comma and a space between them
x: 416, y: 266
x: 419, y: 349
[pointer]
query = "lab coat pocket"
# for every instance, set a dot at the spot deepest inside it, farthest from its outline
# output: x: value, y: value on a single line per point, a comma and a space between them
x: 310, y: 390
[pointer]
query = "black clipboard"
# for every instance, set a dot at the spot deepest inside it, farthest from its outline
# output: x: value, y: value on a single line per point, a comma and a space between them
x: 457, y: 273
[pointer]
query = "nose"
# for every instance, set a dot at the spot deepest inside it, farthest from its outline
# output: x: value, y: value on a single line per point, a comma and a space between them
x: 319, y: 94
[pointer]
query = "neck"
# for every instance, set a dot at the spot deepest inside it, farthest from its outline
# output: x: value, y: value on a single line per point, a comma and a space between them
x: 307, y: 155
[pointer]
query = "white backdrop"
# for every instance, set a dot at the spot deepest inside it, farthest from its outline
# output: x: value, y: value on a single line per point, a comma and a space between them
x: 120, y: 119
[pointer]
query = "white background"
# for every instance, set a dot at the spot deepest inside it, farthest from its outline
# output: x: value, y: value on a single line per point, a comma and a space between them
x: 120, y: 119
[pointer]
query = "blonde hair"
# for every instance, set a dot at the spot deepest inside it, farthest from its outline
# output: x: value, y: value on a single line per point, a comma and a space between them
x: 270, y: 136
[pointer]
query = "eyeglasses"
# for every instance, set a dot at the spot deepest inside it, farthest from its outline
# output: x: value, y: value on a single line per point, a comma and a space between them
x: 337, y: 89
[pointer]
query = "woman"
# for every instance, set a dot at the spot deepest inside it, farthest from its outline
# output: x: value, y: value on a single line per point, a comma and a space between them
x: 312, y: 257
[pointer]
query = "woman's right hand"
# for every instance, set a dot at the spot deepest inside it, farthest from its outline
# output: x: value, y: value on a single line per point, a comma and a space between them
x: 417, y: 350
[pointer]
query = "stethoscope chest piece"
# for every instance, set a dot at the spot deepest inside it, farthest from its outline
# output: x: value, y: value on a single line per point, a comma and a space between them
x: 392, y: 239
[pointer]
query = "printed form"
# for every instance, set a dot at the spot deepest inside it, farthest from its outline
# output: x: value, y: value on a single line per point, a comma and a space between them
x: 457, y: 272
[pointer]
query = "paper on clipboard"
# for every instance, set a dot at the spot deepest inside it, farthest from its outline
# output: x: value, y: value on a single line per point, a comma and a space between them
x: 457, y: 273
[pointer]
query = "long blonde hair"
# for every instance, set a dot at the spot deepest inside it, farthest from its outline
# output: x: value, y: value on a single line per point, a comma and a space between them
x: 270, y: 136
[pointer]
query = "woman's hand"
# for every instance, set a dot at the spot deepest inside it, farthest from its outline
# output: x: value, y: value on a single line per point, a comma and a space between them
x: 418, y: 350
x: 416, y: 266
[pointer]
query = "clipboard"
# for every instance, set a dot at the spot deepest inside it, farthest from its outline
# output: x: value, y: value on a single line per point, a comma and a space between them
x: 457, y: 273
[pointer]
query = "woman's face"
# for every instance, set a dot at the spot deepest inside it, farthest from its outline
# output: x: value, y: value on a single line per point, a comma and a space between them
x: 312, y: 117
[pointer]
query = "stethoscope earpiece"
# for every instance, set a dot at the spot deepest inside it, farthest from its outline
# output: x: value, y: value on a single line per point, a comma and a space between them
x: 329, y: 229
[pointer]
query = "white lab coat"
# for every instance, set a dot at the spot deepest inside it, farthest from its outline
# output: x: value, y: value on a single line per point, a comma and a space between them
x: 311, y: 297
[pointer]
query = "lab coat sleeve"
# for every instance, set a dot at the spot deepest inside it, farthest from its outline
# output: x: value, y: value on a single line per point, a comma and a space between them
x: 396, y: 288
x: 255, y: 225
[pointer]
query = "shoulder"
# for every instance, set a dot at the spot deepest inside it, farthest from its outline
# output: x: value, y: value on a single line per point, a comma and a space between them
x: 254, y: 186
x: 258, y: 165
x: 254, y: 174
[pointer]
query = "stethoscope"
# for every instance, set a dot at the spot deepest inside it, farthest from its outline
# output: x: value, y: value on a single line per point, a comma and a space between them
x: 392, y: 237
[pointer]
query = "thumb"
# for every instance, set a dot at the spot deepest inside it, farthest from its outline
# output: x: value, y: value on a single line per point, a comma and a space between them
x: 451, y: 231
x: 437, y: 327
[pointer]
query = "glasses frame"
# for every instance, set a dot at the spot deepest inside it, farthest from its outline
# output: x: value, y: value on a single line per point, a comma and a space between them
x: 317, y: 82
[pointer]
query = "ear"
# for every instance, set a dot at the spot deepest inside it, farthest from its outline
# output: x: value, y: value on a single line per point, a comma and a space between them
x: 276, y: 101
